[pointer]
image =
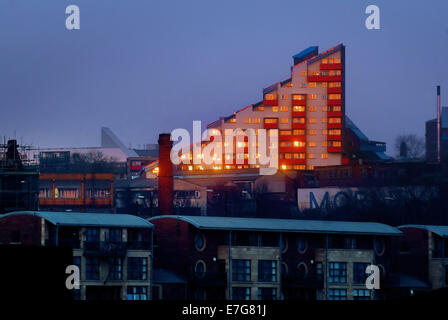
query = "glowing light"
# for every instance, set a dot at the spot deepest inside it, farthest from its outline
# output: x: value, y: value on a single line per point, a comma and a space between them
x: 190, y: 168
x: 155, y: 170
x: 296, y: 143
x: 283, y: 167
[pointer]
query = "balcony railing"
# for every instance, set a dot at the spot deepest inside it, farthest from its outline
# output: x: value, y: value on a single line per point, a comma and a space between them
x: 105, y: 248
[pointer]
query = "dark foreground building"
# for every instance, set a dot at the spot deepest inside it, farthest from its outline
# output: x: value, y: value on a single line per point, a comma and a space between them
x: 263, y: 259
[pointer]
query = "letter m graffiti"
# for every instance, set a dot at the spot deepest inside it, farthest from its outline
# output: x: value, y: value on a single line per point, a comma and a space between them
x: 323, y: 203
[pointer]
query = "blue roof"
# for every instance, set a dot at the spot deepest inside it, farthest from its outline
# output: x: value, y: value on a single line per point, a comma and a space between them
x: 87, y: 219
x: 439, y: 230
x: 285, y: 225
x: 305, y: 52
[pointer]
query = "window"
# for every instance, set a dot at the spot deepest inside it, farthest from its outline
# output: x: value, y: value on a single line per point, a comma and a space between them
x: 137, y: 268
x: 260, y: 108
x: 333, y: 96
x: 199, y: 269
x: 199, y: 241
x: 270, y: 96
x: 312, y: 143
x: 324, y: 84
x: 325, y: 108
x: 303, y: 73
x: 319, y: 271
x: 302, y: 245
x: 92, y: 268
x: 298, y: 120
x: 334, y: 132
x: 337, y: 294
x: 275, y: 109
x: 137, y: 293
x: 232, y: 120
x: 324, y: 156
x: 298, y: 97
x: 267, y: 293
x: 312, y: 96
x: 324, y: 120
x: 45, y: 193
x: 270, y: 120
x: 337, y: 108
x: 302, y: 270
x: 283, y: 108
x: 284, y: 120
x: 311, y: 156
x: 115, y: 235
x: 334, y: 120
x: 246, y: 120
x: 379, y: 246
x: 312, y: 84
x: 285, y: 132
x: 299, y: 108
x: 359, y: 272
x: 92, y: 235
x: 256, y: 120
x: 334, y: 84
x: 284, y: 97
x: 350, y: 243
x: 361, y: 294
x: 267, y: 270
x: 240, y: 270
x: 66, y: 193
x: 299, y: 144
x: 312, y: 132
x: 324, y: 143
x: 240, y: 293
x: 337, y: 272
x: 115, y: 269
x: 298, y: 132
x: 312, y: 120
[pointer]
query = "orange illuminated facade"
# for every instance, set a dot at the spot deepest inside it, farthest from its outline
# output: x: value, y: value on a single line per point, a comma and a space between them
x: 83, y: 192
x: 308, y: 110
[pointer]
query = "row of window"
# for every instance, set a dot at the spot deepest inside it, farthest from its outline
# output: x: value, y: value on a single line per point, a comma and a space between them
x: 137, y: 268
x: 302, y: 156
x: 244, y: 293
x: 73, y: 193
x: 324, y: 72
x: 299, y: 97
x: 341, y: 294
x: 310, y: 132
x: 241, y: 270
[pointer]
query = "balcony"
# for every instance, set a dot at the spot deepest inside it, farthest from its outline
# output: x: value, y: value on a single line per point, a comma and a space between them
x: 270, y: 125
x: 335, y: 114
x: 292, y: 149
x: 291, y: 137
x: 210, y: 279
x: 298, y: 113
x: 139, y: 245
x: 336, y: 102
x: 334, y: 149
x: 298, y: 102
x: 334, y: 90
x: 298, y: 125
x: 331, y: 66
x: 292, y: 161
x: 273, y: 102
x: 334, y: 137
x: 105, y: 248
x: 321, y: 78
x: 334, y: 125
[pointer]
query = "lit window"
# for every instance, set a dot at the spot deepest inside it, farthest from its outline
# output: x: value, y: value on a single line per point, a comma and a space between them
x: 312, y: 84
x: 334, y: 96
x: 260, y: 109
x: 256, y: 120
x: 284, y: 97
x: 324, y: 155
x: 310, y: 167
x: 299, y: 143
x: 303, y: 73
x: 334, y: 120
x: 324, y: 143
x: 324, y: 60
x: 274, y: 109
x: 311, y: 155
x: 285, y: 132
x: 298, y: 132
x: 334, y: 84
x: 298, y: 97
x: 284, y: 108
x: 247, y: 120
x: 312, y: 120
x: 324, y: 120
x: 337, y: 144
x: 284, y: 120
x: 232, y: 120
x: 324, y: 108
x: 312, y: 143
x: 298, y: 120
x: 312, y: 96
x: 312, y: 108
x: 324, y: 84
x: 299, y: 108
x: 324, y: 132
x: 312, y: 132
x: 270, y: 120
x: 337, y: 108
x: 270, y: 96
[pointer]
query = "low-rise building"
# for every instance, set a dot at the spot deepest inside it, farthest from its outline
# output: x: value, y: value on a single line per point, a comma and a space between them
x: 112, y: 251
x: 252, y: 258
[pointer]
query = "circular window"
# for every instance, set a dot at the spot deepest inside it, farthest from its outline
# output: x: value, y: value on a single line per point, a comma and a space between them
x: 284, y: 269
x: 379, y: 246
x: 284, y: 245
x: 200, y: 269
x: 301, y: 245
x: 199, y: 242
x: 302, y: 270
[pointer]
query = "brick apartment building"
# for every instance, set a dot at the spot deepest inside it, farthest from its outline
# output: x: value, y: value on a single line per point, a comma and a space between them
x: 113, y: 252
x: 249, y: 258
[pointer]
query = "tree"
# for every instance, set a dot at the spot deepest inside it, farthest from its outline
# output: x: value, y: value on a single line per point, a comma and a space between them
x: 410, y: 146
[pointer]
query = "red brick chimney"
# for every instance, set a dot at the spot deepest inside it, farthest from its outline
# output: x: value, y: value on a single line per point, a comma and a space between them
x: 165, y: 175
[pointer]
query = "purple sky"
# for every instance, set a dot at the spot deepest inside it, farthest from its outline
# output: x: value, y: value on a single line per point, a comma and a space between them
x: 145, y: 67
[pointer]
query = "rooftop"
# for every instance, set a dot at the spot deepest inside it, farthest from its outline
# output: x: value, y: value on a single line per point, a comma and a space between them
x: 87, y: 219
x: 439, y: 230
x: 285, y: 225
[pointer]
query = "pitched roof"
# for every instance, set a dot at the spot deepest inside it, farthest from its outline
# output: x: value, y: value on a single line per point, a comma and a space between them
x: 285, y: 225
x: 439, y: 230
x: 87, y: 219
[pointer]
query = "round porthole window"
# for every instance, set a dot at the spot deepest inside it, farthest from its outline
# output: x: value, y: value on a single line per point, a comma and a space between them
x: 199, y: 241
x: 379, y: 246
x: 302, y: 245
x: 200, y: 269
x: 284, y: 244
x: 302, y: 270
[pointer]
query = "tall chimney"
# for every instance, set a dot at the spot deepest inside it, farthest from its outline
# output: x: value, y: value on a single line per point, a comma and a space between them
x: 438, y: 124
x: 165, y: 175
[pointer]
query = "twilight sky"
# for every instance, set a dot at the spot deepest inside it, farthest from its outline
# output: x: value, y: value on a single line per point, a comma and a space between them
x: 142, y: 67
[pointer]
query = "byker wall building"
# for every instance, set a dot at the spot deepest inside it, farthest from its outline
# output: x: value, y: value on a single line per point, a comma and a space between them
x: 268, y: 259
x: 308, y: 109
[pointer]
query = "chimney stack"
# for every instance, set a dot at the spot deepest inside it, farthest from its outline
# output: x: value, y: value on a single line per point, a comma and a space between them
x: 165, y: 179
